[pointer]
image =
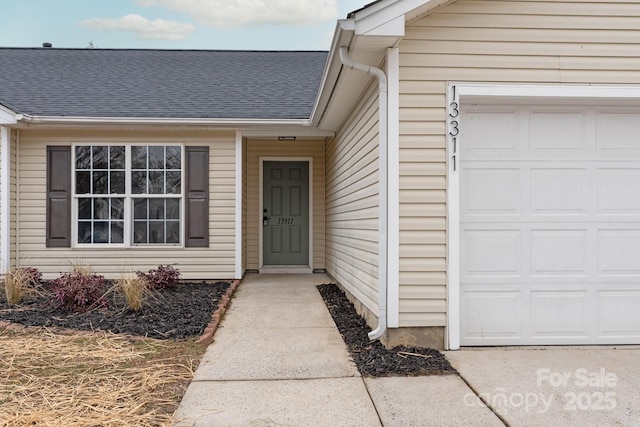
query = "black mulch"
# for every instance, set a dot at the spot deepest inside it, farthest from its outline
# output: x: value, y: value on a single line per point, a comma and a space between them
x: 371, y: 357
x: 181, y: 312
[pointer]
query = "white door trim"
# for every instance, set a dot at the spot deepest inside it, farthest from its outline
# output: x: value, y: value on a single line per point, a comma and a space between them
x: 458, y: 93
x: 283, y: 269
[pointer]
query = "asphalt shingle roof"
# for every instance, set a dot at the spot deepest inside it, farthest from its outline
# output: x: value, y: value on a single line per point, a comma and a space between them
x: 206, y: 84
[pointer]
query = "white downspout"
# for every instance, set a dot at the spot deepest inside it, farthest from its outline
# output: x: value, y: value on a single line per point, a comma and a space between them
x: 383, y: 169
x: 5, y: 199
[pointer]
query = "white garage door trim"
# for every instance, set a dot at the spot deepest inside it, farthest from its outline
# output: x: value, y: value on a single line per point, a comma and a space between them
x: 488, y: 93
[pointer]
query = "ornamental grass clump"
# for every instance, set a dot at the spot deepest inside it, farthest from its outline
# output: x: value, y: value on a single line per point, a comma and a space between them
x: 163, y: 277
x: 79, y: 291
x: 135, y: 290
x: 19, y: 282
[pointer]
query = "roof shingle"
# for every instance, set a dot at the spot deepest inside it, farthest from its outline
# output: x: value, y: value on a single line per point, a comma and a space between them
x: 199, y: 84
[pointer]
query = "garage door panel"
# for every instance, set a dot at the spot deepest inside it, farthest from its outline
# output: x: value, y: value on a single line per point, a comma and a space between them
x: 493, y: 253
x: 617, y: 134
x: 559, y: 253
x: 504, y: 197
x: 619, y: 313
x: 559, y: 191
x: 489, y: 144
x: 557, y: 132
x: 619, y: 253
x: 550, y: 228
x: 559, y: 314
x: 618, y: 191
x: 492, y: 314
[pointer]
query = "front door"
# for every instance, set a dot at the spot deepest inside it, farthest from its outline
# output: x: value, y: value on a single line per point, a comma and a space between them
x: 285, y: 218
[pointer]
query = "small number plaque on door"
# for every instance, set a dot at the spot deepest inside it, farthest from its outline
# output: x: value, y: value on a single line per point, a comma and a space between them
x: 285, y: 221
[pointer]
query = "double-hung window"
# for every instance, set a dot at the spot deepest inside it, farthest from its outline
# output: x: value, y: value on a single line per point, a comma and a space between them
x: 128, y: 195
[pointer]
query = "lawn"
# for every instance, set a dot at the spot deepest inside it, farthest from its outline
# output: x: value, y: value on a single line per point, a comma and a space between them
x: 92, y: 379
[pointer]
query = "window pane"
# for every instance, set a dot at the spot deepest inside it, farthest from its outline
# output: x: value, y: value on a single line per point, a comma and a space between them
x: 100, y: 232
x: 117, y: 208
x: 156, y: 157
x: 138, y: 157
x: 117, y: 232
x: 101, y: 208
x: 83, y: 182
x: 84, y: 232
x: 173, y: 209
x: 156, y: 208
x: 84, y: 208
x: 116, y: 158
x: 156, y: 231
x: 140, y: 232
x: 139, y: 182
x: 156, y: 182
x: 173, y: 232
x: 117, y: 182
x: 140, y: 209
x: 173, y: 183
x: 173, y: 157
x: 100, y: 157
x: 83, y: 157
x: 100, y: 182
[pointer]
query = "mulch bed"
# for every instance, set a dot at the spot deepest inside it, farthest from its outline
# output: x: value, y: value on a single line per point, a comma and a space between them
x: 371, y: 357
x: 181, y: 312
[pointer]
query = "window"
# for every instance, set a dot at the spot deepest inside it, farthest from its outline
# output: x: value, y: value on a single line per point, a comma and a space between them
x: 128, y: 195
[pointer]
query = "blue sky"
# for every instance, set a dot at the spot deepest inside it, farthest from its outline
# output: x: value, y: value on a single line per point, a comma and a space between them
x: 174, y: 24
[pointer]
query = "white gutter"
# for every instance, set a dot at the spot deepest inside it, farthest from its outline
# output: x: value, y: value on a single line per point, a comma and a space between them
x: 5, y: 199
x: 160, y: 121
x: 383, y: 169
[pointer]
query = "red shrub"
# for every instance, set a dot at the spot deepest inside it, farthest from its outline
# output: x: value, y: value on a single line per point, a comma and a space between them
x: 162, y: 277
x: 79, y: 292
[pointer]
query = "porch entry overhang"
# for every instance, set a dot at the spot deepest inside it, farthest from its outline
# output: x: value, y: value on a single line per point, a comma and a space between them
x: 285, y: 217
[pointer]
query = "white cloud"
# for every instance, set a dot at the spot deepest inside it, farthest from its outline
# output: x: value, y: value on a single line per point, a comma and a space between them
x: 230, y: 13
x: 158, y: 29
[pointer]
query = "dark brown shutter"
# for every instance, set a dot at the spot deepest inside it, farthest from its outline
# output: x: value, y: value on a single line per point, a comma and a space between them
x: 197, y: 189
x: 58, y: 196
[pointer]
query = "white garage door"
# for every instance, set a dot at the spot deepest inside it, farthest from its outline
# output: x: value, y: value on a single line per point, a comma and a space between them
x: 549, y: 224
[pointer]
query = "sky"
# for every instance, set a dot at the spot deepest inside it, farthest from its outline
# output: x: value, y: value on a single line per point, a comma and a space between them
x: 174, y: 24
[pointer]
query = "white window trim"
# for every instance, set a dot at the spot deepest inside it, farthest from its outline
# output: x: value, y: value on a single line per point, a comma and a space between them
x: 458, y: 93
x: 128, y: 200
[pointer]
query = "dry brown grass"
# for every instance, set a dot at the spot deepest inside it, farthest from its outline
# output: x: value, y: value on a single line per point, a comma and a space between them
x: 135, y: 290
x: 17, y: 284
x: 91, y: 380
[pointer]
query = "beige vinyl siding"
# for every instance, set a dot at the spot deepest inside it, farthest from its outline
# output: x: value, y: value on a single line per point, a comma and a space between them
x: 281, y: 150
x: 560, y: 42
x: 352, y: 202
x: 215, y: 262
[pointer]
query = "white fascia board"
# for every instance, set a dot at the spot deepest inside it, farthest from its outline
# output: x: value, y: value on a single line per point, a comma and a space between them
x: 7, y: 117
x: 386, y: 15
x: 342, y: 36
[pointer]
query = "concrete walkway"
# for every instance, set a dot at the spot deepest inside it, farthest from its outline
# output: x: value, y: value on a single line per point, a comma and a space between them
x: 279, y: 360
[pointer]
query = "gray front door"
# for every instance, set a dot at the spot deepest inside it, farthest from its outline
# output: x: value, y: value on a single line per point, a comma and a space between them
x: 285, y: 222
